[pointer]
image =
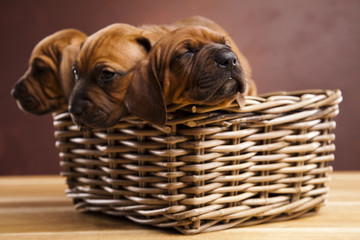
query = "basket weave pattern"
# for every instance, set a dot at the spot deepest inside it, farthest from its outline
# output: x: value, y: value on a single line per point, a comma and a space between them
x: 210, y: 168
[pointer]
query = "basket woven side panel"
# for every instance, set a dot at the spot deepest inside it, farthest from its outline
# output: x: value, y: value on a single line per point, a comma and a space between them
x: 210, y: 168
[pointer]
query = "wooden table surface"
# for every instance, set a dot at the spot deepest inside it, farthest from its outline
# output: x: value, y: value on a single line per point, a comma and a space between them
x: 35, y: 207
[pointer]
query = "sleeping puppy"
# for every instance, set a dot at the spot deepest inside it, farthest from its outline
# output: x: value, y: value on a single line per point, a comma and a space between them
x: 190, y: 65
x: 103, y: 71
x: 46, y: 85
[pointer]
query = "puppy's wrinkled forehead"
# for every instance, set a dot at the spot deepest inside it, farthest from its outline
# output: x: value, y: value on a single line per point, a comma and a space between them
x: 197, y: 37
x: 113, y: 44
x: 48, y: 50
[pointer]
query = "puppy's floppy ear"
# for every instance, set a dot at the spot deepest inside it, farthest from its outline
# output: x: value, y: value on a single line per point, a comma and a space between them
x: 143, y: 41
x: 68, y: 58
x: 144, y: 97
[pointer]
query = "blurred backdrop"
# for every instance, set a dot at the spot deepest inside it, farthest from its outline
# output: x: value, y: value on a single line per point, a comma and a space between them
x: 290, y: 44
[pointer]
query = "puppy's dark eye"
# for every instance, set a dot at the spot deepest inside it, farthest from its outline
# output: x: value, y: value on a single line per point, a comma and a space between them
x: 107, y: 75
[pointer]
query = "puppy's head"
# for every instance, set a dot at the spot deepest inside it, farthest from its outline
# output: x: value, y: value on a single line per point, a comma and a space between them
x: 103, y: 72
x: 48, y: 81
x: 190, y: 65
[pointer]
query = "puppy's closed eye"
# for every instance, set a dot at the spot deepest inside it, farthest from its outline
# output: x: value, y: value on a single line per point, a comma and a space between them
x: 188, y: 48
x: 189, y: 52
x: 185, y: 54
x: 40, y: 68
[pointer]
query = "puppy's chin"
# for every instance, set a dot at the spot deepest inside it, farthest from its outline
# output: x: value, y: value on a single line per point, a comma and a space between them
x: 230, y: 87
x: 99, y: 119
x: 223, y: 88
x: 28, y: 103
x: 33, y: 100
x: 32, y: 105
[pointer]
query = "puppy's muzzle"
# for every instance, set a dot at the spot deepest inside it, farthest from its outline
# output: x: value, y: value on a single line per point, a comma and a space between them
x: 19, y: 90
x: 83, y: 114
x: 227, y: 61
x: 21, y: 94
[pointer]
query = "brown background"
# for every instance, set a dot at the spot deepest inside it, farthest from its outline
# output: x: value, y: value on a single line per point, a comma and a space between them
x: 290, y: 44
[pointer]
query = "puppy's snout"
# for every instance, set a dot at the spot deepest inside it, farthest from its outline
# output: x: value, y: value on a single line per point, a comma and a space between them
x: 226, y: 59
x: 77, y: 109
x: 14, y: 93
x: 18, y: 90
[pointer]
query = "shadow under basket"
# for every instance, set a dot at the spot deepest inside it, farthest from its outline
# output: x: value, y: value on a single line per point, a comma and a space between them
x: 209, y: 168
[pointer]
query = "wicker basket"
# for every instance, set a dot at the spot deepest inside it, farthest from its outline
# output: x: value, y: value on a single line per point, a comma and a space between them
x: 210, y: 168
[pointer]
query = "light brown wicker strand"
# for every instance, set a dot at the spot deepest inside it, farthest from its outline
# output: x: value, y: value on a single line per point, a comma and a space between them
x: 197, y: 223
x: 300, y: 164
x: 266, y: 172
x: 323, y: 164
x: 112, y: 165
x: 235, y: 141
x: 173, y: 180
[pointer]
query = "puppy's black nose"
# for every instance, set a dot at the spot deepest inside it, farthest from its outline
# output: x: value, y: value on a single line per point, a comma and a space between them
x: 14, y: 93
x: 226, y: 59
x: 77, y: 109
x: 19, y: 89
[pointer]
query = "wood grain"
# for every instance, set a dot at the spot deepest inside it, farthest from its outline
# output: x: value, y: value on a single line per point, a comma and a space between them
x: 35, y: 207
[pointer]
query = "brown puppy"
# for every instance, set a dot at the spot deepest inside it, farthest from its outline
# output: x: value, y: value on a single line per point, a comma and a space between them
x: 190, y: 65
x: 46, y: 85
x: 105, y: 63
